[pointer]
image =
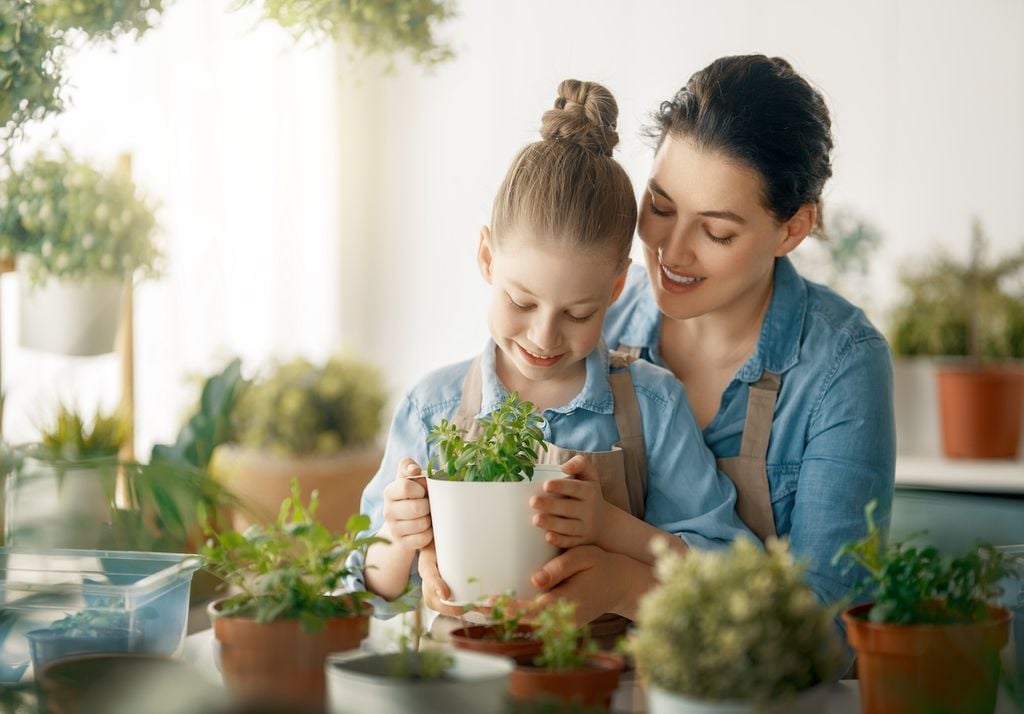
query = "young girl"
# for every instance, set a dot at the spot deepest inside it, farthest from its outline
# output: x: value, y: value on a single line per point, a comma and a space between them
x: 556, y: 256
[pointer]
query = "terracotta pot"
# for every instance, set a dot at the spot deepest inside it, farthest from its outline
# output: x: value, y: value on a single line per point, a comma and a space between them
x: 590, y: 686
x: 909, y: 669
x: 482, y: 638
x: 981, y: 408
x: 262, y: 480
x: 278, y: 662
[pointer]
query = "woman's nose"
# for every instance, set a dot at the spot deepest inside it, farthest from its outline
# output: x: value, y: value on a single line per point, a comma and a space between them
x: 677, y: 250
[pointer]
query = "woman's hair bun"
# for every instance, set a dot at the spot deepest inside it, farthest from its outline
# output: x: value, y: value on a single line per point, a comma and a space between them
x: 585, y: 113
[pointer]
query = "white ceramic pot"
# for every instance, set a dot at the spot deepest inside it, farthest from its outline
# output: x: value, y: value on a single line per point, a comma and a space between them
x: 485, y: 538
x: 70, y: 317
x: 811, y: 701
x: 49, y: 505
x: 359, y: 682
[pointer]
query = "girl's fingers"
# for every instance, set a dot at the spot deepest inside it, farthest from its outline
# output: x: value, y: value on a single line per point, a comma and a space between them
x: 555, y: 506
x: 567, y: 487
x: 561, y: 526
x: 404, y: 528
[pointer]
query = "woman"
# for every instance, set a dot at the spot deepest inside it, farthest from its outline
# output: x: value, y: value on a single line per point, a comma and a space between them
x: 791, y: 384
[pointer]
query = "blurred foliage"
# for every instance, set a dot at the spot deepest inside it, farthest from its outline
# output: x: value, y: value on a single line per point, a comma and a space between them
x: 30, y: 69
x: 73, y: 437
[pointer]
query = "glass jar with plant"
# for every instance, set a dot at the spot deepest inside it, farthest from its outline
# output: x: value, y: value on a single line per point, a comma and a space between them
x: 317, y: 423
x: 929, y: 639
x: 480, y: 485
x: 288, y: 614
x: 569, y: 669
x: 971, y: 314
x: 736, y: 630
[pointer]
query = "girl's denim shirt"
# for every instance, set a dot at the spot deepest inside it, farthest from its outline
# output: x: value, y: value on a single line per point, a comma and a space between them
x: 833, y: 439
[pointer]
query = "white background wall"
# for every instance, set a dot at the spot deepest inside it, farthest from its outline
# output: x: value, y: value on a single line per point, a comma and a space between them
x: 310, y: 206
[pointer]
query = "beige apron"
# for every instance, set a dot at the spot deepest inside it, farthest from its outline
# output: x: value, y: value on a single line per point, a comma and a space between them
x: 622, y: 469
x: 749, y: 470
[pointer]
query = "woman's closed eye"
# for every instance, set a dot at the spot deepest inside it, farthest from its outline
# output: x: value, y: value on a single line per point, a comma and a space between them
x: 721, y: 240
x: 654, y: 207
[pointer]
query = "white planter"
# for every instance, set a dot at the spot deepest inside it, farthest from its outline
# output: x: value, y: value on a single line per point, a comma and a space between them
x: 485, y: 538
x: 70, y: 317
x: 811, y: 701
x: 358, y: 682
x: 47, y: 505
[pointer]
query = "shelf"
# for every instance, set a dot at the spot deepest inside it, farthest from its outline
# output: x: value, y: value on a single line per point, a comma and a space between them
x: 937, y: 473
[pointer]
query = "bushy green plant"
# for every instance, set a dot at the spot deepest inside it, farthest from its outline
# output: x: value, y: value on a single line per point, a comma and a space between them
x: 100, y: 19
x: 956, y: 308
x: 369, y: 28
x: 913, y: 585
x: 565, y: 645
x: 30, y: 68
x: 304, y: 409
x: 505, y: 450
x: 87, y: 622
x: 75, y: 221
x: 735, y: 624
x: 290, y: 569
x: 73, y: 437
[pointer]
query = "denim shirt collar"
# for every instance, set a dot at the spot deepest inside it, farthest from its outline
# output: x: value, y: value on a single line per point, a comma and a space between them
x: 778, y: 347
x: 596, y: 395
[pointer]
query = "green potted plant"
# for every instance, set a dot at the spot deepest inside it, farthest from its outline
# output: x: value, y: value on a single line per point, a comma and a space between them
x: 569, y: 669
x: 507, y: 632
x: 479, y: 491
x: 78, y: 236
x: 929, y: 639
x: 274, y: 635
x: 30, y: 70
x: 735, y: 631
x: 316, y: 423
x: 971, y: 314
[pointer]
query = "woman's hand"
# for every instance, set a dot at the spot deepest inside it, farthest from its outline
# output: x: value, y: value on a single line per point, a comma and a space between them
x: 434, y: 588
x: 597, y: 580
x: 406, y: 508
x: 571, y: 510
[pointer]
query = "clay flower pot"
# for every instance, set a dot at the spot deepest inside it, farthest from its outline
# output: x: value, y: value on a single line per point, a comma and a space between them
x: 910, y: 669
x: 590, y: 686
x: 482, y: 638
x: 981, y: 408
x: 279, y: 662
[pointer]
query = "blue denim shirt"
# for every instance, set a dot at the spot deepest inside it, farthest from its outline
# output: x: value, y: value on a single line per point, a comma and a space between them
x: 833, y: 440
x: 686, y: 494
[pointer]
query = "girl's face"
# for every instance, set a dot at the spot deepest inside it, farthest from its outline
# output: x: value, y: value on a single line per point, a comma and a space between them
x: 547, y: 303
x: 709, y: 242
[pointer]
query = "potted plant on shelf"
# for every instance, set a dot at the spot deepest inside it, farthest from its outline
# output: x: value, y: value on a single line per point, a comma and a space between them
x: 929, y: 639
x: 273, y: 637
x: 569, y: 669
x: 78, y: 235
x: 30, y: 70
x: 507, y: 633
x: 316, y: 423
x: 971, y: 314
x: 479, y: 491
x: 736, y: 632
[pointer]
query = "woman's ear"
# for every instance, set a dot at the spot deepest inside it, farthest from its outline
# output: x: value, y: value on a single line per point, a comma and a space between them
x: 797, y: 228
x: 484, y: 254
x: 620, y: 282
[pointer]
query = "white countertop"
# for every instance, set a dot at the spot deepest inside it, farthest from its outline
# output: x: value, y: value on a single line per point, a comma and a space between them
x: 937, y: 473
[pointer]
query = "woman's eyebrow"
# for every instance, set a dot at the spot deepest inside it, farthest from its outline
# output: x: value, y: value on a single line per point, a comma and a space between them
x: 656, y: 188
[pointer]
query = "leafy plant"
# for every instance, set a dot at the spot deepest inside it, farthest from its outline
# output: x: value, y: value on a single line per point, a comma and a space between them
x: 100, y: 19
x: 289, y: 570
x: 87, y: 622
x: 303, y: 409
x: 566, y: 645
x: 735, y: 624
x: 956, y: 308
x: 30, y: 69
x: 506, y: 618
x: 369, y: 28
x: 915, y: 586
x: 210, y: 425
x: 505, y: 450
x: 414, y: 662
x: 74, y: 438
x: 74, y: 220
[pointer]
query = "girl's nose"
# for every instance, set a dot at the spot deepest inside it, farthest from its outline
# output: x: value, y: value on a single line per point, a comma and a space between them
x: 544, y: 333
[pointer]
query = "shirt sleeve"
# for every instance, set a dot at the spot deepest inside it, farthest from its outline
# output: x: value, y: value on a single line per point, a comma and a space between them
x: 687, y: 494
x: 407, y: 437
x: 849, y: 460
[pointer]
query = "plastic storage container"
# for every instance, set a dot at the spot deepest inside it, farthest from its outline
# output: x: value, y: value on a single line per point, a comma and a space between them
x: 60, y: 603
x: 1013, y: 598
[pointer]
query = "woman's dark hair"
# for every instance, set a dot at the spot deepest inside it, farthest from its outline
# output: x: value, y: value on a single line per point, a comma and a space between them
x: 759, y: 111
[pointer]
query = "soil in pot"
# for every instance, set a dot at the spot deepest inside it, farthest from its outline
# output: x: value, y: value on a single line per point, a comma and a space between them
x: 48, y: 646
x: 590, y: 686
x: 484, y: 638
x: 89, y: 683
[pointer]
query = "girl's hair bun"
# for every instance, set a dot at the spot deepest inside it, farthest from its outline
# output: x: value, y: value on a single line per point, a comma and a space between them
x: 585, y: 113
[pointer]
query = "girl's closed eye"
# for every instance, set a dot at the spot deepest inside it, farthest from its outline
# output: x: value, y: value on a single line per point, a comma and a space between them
x: 516, y: 305
x: 583, y: 318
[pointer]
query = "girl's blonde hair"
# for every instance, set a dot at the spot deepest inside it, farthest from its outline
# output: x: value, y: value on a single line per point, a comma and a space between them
x: 567, y: 187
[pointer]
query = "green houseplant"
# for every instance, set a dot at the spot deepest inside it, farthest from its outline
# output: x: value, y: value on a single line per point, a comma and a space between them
x: 971, y: 314
x: 78, y: 235
x: 480, y: 485
x: 506, y: 632
x: 30, y: 70
x: 739, y: 630
x: 275, y: 633
x: 317, y: 423
x: 929, y: 639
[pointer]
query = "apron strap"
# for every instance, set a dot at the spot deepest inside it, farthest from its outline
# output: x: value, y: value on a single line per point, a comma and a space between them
x: 757, y: 428
x: 472, y: 395
x: 631, y: 428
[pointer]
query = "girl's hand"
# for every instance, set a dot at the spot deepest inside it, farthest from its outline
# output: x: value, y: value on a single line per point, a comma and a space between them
x: 406, y: 508
x: 434, y: 588
x: 571, y: 510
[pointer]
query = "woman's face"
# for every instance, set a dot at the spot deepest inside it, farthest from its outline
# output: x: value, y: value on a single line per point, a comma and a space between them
x: 709, y: 242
